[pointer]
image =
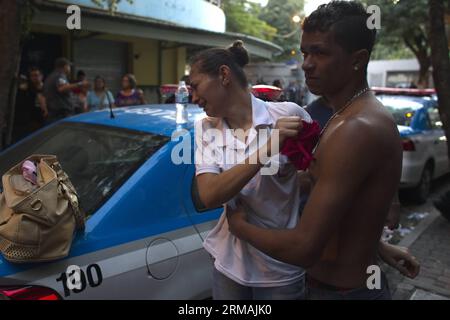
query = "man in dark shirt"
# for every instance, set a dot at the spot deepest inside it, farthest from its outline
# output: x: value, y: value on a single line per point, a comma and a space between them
x: 320, y: 111
x: 58, y: 91
x: 22, y: 110
x: 31, y: 108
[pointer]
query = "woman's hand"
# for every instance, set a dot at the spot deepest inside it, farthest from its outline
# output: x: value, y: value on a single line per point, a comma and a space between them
x: 236, y: 218
x: 400, y: 259
x: 286, y: 127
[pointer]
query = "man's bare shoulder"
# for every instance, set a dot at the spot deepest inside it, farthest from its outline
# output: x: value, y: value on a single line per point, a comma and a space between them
x: 371, y: 122
x: 359, y: 139
x: 352, y: 130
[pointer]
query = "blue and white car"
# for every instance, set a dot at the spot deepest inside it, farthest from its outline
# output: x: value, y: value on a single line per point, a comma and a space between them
x: 425, y: 152
x: 144, y: 234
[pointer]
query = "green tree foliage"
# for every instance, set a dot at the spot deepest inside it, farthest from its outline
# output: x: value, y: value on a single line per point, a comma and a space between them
x: 273, y: 22
x: 391, y: 50
x: 405, y: 24
x: 279, y: 14
x: 242, y: 17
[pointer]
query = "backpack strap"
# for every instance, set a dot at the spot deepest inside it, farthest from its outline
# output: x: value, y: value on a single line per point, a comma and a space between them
x: 70, y: 194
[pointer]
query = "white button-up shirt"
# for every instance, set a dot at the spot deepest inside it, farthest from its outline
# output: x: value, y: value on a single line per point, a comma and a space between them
x: 271, y: 201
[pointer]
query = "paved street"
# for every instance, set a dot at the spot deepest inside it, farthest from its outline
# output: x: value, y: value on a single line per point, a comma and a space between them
x: 430, y: 243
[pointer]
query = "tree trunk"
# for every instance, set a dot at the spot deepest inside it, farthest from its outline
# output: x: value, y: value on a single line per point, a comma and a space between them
x: 424, y: 73
x: 440, y: 61
x: 419, y: 46
x: 10, y: 38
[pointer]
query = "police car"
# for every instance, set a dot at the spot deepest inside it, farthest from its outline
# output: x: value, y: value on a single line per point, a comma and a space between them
x: 145, y: 226
x: 425, y: 152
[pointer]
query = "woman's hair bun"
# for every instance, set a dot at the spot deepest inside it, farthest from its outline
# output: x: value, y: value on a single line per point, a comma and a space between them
x: 240, y: 53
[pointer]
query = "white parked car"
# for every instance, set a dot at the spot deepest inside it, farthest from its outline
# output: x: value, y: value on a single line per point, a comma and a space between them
x: 425, y: 152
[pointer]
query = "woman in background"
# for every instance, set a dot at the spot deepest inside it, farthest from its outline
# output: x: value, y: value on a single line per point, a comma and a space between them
x: 130, y: 95
x: 100, y: 98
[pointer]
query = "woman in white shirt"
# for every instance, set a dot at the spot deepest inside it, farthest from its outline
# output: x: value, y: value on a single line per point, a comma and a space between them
x: 231, y: 168
x: 272, y: 196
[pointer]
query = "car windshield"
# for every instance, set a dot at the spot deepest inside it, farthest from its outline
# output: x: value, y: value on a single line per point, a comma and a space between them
x: 402, y: 109
x: 97, y: 159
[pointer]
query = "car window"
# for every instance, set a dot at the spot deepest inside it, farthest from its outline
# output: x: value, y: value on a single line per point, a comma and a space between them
x: 435, y: 118
x: 402, y: 109
x: 403, y: 118
x: 98, y: 159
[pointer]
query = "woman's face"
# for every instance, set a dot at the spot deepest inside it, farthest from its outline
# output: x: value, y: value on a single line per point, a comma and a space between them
x: 209, y: 93
x: 99, y: 84
x: 126, y: 84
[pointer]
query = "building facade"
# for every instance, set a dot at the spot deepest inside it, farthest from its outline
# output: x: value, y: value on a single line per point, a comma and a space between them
x: 394, y: 73
x: 153, y: 39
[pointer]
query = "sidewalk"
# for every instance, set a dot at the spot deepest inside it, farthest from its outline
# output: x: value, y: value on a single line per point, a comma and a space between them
x: 431, y: 246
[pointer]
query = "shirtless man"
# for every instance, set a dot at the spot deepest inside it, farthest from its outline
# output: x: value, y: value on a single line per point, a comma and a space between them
x: 357, y: 165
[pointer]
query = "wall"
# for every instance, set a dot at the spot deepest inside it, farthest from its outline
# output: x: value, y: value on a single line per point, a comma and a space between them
x: 273, y: 71
x: 173, y: 64
x: 197, y: 14
x: 379, y: 70
x: 144, y: 59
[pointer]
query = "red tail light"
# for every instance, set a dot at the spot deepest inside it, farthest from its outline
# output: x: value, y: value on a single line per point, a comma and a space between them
x: 408, y: 145
x: 29, y: 293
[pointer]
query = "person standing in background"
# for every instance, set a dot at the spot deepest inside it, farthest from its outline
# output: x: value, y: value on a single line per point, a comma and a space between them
x: 80, y: 100
x: 81, y: 76
x: 80, y: 94
x: 39, y: 111
x: 31, y: 109
x: 130, y: 95
x: 100, y: 98
x: 320, y: 111
x: 58, y: 91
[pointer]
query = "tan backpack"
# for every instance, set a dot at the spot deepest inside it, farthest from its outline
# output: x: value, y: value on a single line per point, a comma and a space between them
x: 39, y: 226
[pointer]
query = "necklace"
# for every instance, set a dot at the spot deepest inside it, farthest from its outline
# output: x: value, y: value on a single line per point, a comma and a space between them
x: 339, y: 112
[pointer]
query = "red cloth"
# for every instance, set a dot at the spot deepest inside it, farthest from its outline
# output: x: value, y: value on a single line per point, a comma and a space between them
x: 299, y: 150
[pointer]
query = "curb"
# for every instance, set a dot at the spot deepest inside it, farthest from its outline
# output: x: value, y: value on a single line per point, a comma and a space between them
x: 409, y: 239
